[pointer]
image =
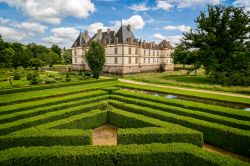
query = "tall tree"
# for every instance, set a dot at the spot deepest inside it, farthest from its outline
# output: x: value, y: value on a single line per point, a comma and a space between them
x: 16, y: 58
x: 56, y: 49
x: 54, y: 58
x: 96, y: 58
x: 220, y: 38
x: 26, y: 57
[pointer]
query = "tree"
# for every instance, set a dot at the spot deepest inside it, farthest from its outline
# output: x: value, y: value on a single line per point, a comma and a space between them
x: 7, y: 53
x: 67, y: 57
x: 180, y: 55
x: 220, y: 40
x: 96, y: 58
x: 54, y: 58
x: 35, y: 62
x: 26, y: 57
x: 56, y: 49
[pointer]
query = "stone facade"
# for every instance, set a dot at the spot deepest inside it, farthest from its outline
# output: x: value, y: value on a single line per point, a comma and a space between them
x: 124, y: 53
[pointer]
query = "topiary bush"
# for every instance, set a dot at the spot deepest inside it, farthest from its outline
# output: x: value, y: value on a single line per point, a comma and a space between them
x: 16, y: 76
x: 29, y: 76
x: 67, y: 77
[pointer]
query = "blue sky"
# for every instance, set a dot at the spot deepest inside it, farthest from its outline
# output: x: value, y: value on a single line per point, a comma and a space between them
x: 60, y: 21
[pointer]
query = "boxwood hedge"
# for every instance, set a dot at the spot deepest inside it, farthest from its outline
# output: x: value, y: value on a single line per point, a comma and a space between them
x: 141, y: 155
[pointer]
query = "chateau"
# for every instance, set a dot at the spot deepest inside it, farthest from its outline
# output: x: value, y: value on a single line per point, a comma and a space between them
x: 124, y: 53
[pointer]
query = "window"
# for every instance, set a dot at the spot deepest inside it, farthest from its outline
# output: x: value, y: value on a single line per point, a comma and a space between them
x: 136, y: 51
x: 115, y: 50
x: 129, y: 60
x: 75, y: 60
x: 144, y: 52
x: 158, y: 53
x: 148, y: 60
x: 144, y: 60
x: 136, y: 60
x: 154, y: 52
x: 115, y: 60
x: 129, y: 51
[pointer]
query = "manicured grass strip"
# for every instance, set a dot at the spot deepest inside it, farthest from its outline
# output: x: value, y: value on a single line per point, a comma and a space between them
x: 176, y: 133
x: 231, y: 99
x: 55, y: 92
x: 47, y: 117
x: 149, y: 154
x: 42, y: 110
x: 52, y: 137
x: 222, y: 136
x: 41, y: 87
x: 186, y: 112
x: 158, y: 135
x: 218, y: 110
x: 48, y: 102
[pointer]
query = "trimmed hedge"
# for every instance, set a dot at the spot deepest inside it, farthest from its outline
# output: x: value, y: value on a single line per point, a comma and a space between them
x: 186, y: 112
x: 47, y: 117
x: 48, y: 102
x: 224, y: 98
x: 157, y: 135
x: 125, y: 119
x: 42, y: 110
x: 50, y: 93
x: 225, y: 137
x: 141, y: 155
x: 58, y: 85
x: 213, y: 109
x: 52, y: 137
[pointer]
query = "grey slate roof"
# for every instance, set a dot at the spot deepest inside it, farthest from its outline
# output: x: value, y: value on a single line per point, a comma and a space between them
x: 123, y: 34
x: 80, y: 40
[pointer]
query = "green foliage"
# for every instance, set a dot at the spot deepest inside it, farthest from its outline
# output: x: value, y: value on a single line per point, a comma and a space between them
x: 29, y: 76
x: 96, y: 58
x: 50, y: 137
x: 221, y: 44
x: 54, y: 58
x: 142, y: 155
x: 35, y: 78
x: 56, y: 49
x: 235, y: 140
x: 50, y: 80
x: 67, y: 77
x: 150, y: 135
x: 67, y: 57
x: 35, y: 62
x: 16, y: 76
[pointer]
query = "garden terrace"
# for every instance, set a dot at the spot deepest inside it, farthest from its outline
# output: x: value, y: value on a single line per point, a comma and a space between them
x: 55, y: 126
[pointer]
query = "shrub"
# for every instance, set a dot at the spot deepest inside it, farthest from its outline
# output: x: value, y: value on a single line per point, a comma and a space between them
x: 50, y: 80
x: 29, y: 76
x: 87, y: 73
x: 16, y: 76
x: 67, y: 77
x: 35, y: 79
x: 149, y: 154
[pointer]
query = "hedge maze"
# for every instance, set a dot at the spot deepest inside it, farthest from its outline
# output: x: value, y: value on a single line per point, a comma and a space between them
x: 54, y: 127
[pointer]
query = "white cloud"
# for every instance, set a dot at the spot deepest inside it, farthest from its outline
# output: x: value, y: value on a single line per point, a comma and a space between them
x: 92, y: 28
x: 245, y: 3
x: 173, y: 39
x: 182, y: 28
x: 63, y: 36
x: 168, y: 4
x: 31, y: 26
x: 135, y: 21
x: 192, y: 3
x: 4, y: 20
x: 163, y: 5
x: 11, y: 34
x: 53, y: 11
x: 139, y: 7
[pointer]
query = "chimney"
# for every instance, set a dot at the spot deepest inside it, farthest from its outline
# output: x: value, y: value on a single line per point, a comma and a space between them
x: 108, y: 31
x: 129, y: 27
x: 99, y: 34
x: 116, y: 40
x: 86, y: 36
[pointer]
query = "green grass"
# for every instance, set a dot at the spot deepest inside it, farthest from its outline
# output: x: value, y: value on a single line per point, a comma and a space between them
x: 219, y: 97
x: 179, y: 78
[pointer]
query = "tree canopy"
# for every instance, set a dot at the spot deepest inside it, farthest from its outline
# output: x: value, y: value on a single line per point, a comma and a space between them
x: 96, y: 58
x: 221, y: 42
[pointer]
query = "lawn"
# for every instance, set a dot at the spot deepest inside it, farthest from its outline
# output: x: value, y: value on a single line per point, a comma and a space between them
x: 181, y: 79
